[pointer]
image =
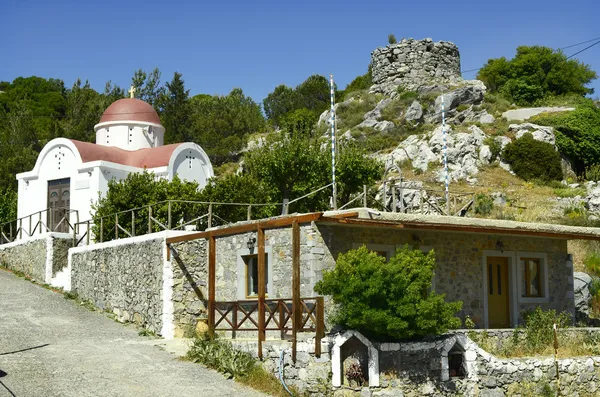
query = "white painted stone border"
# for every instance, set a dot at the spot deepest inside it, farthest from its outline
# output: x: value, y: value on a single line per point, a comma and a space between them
x: 336, y: 358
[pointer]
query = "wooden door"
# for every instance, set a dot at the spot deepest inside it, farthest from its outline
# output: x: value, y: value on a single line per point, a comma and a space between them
x: 498, y: 292
x: 59, y: 204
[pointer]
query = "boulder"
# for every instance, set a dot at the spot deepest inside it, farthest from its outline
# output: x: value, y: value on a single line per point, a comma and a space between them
x: 581, y: 287
x: 593, y: 199
x: 383, y: 126
x: 469, y: 94
x: 540, y: 133
x: 414, y: 112
x: 486, y: 118
x: 376, y: 112
x: 485, y: 154
x: 368, y: 123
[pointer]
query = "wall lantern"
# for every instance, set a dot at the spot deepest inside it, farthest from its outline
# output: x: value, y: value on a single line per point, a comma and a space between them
x: 500, y: 246
x: 251, y: 243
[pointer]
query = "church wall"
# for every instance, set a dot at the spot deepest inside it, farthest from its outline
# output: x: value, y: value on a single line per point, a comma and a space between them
x: 130, y: 136
x: 188, y: 166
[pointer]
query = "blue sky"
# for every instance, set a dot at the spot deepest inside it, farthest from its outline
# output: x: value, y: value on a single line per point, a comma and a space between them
x: 257, y: 45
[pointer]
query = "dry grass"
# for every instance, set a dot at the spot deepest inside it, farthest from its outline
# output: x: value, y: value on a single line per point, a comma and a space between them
x: 259, y: 379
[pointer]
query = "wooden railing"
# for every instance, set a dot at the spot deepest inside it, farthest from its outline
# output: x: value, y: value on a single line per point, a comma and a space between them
x: 38, y: 223
x: 244, y: 315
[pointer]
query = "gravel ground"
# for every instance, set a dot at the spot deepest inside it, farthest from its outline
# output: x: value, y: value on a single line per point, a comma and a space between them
x: 50, y: 346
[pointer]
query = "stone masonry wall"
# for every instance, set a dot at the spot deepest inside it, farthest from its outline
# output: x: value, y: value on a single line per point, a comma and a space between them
x: 190, y: 294
x: 411, y: 64
x: 459, y: 256
x: 40, y: 258
x: 125, y: 278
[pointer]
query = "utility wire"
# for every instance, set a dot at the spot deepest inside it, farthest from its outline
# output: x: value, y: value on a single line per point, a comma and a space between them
x: 562, y: 48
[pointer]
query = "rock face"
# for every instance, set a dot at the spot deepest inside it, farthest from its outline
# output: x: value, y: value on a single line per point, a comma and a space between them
x: 581, y: 285
x: 463, y: 152
x: 412, y: 63
x: 540, y: 133
x: 414, y: 112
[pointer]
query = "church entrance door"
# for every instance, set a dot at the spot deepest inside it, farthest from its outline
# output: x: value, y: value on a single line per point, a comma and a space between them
x: 59, y: 203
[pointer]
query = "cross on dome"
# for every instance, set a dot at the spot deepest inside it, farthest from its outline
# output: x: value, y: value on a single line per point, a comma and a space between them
x: 132, y: 91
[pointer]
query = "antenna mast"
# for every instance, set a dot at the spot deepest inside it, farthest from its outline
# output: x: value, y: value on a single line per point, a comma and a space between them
x: 333, y: 148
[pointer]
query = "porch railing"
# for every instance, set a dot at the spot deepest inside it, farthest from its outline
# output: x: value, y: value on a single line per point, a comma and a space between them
x: 244, y: 316
x: 38, y: 223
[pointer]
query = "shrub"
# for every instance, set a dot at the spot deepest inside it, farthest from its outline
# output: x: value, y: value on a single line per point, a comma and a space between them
x: 388, y: 300
x: 392, y: 39
x: 483, y: 204
x: 495, y: 147
x: 221, y: 356
x: 592, y: 172
x: 531, y: 159
x: 408, y: 95
x: 595, y: 286
x: 539, y: 324
x: 592, y: 263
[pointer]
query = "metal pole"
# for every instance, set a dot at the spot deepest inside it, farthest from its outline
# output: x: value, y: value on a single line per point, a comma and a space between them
x: 364, y: 196
x: 210, y: 209
x: 101, y: 229
x: 116, y: 226
x: 169, y: 216
x: 132, y: 223
x: 249, y: 212
x: 393, y: 198
x: 445, y: 156
x: 333, y: 148
x: 149, y: 219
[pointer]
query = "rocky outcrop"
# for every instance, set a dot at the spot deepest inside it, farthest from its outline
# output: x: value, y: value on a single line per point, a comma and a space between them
x: 411, y: 64
x: 414, y: 112
x: 581, y: 287
x: 540, y: 133
x: 463, y: 152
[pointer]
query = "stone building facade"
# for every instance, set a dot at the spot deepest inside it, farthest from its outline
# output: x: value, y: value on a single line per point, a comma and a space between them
x: 412, y: 64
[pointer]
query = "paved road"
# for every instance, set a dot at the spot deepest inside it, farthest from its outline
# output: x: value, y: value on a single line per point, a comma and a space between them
x: 50, y: 346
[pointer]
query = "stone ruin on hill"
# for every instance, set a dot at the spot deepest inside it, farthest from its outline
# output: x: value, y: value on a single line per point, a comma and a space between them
x: 414, y: 64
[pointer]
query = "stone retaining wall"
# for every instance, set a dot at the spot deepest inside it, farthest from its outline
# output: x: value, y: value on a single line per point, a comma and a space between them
x: 42, y: 257
x: 422, y: 368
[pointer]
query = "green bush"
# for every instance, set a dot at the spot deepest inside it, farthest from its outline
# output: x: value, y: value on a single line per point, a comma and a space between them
x: 408, y: 95
x: 592, y: 263
x: 577, y: 135
x: 531, y: 159
x: 595, y: 286
x: 388, y: 300
x: 495, y: 147
x: 221, y: 356
x: 392, y: 39
x: 592, y: 173
x: 539, y: 327
x: 483, y: 204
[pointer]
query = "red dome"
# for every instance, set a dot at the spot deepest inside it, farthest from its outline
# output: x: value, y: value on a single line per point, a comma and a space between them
x: 130, y: 109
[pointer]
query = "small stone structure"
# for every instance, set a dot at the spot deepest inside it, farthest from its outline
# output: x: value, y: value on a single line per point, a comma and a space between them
x: 41, y: 257
x: 411, y: 64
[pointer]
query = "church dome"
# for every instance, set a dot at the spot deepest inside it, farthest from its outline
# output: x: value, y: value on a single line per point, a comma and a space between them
x: 130, y: 109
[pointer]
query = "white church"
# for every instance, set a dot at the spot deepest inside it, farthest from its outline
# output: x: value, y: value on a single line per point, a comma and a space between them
x: 69, y: 174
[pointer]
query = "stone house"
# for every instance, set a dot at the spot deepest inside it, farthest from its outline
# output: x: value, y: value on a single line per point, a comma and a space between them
x: 498, y: 269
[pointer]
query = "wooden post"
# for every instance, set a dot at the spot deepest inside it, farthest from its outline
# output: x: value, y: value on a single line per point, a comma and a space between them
x: 393, y: 198
x: 249, y: 212
x: 296, y: 305
x: 212, y: 255
x: 149, y: 219
x: 116, y: 226
x: 169, y: 216
x: 364, y: 196
x: 21, y: 229
x: 320, y: 326
x: 87, y: 234
x: 132, y: 223
x: 101, y: 229
x: 210, y: 209
x: 234, y: 320
x: 261, y: 289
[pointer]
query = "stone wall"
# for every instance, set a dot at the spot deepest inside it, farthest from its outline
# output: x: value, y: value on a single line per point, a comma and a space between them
x: 412, y: 64
x: 411, y: 369
x: 190, y: 294
x: 41, y: 257
x: 124, y: 277
x: 459, y: 256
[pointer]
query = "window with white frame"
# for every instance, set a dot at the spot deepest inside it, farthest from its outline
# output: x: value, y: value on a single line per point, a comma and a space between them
x: 533, y: 277
x: 252, y: 277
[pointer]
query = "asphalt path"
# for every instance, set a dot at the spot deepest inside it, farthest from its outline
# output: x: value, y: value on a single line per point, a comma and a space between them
x: 50, y: 346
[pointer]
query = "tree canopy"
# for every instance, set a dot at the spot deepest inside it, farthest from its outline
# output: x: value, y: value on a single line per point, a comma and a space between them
x: 535, y: 73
